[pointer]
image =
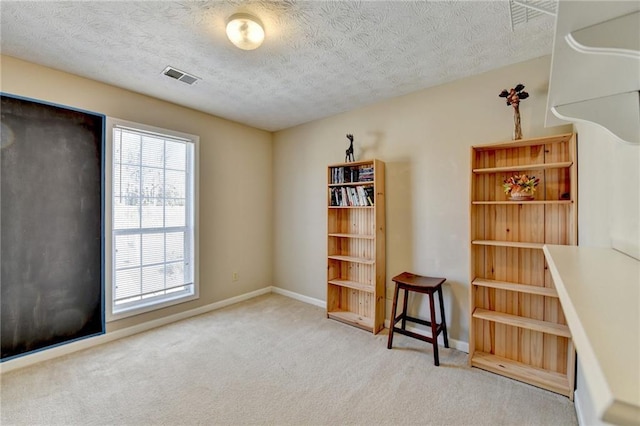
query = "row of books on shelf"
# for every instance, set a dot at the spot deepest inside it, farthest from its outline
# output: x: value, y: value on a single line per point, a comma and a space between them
x: 358, y: 196
x: 349, y: 174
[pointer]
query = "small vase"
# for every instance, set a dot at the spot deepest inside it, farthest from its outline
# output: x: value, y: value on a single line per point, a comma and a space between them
x: 520, y: 196
x: 517, y: 131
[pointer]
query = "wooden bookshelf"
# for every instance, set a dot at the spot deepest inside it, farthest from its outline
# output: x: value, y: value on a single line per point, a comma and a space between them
x: 355, y: 244
x: 518, y: 328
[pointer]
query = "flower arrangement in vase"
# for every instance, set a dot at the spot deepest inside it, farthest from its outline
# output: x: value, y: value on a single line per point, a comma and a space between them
x: 520, y: 187
x: 514, y: 96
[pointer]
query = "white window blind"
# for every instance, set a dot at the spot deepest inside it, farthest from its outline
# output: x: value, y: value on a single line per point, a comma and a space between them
x: 152, y: 218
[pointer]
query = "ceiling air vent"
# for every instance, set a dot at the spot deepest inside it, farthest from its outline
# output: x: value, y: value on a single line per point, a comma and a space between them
x: 522, y: 11
x: 180, y: 75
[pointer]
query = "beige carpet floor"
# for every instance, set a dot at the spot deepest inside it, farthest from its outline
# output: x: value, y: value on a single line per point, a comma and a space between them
x: 270, y: 360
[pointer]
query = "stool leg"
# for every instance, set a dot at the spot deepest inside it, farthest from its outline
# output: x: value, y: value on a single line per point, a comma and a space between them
x: 404, y: 309
x: 393, y: 317
x: 434, y: 330
x: 444, y: 321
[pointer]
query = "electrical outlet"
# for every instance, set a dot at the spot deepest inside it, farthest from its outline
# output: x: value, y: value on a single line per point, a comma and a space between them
x: 234, y: 276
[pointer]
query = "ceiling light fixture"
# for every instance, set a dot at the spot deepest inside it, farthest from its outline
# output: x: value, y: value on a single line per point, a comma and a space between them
x: 245, y: 31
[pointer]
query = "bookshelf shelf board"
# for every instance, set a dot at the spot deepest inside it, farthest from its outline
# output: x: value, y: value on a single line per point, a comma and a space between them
x: 506, y: 202
x: 352, y: 319
x: 545, y: 379
x: 352, y: 259
x: 515, y: 244
x: 361, y: 236
x: 353, y: 284
x: 351, y: 207
x: 364, y: 183
x: 522, y: 322
x: 520, y: 167
x: 521, y: 288
x: 352, y: 164
x: 544, y: 140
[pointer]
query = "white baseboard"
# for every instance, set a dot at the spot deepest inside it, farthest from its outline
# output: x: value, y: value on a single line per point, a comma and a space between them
x: 453, y: 343
x: 577, y: 403
x: 585, y: 411
x: 89, y: 342
x: 300, y: 297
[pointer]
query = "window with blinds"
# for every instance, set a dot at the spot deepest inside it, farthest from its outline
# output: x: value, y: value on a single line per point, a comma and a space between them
x: 152, y: 219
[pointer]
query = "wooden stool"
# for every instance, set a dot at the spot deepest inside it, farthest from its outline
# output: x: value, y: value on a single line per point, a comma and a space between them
x: 419, y: 284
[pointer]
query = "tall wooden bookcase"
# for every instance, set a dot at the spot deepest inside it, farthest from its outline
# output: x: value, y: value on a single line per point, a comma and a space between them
x: 518, y: 328
x: 356, y: 244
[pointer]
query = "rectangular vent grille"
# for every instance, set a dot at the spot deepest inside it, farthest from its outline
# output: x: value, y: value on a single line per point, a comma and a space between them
x: 180, y: 75
x: 522, y: 11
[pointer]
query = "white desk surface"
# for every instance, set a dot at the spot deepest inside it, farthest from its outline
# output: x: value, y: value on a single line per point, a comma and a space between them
x: 599, y: 290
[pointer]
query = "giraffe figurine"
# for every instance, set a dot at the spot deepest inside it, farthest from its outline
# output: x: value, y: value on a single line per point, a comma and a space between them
x: 348, y: 155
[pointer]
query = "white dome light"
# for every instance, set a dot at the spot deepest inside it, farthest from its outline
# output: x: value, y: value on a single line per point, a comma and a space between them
x: 245, y: 31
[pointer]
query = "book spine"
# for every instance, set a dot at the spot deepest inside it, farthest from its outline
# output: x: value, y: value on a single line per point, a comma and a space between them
x: 362, y: 195
x: 370, y: 195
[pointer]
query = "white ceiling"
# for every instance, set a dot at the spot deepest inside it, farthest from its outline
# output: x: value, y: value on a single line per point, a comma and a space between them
x: 320, y: 58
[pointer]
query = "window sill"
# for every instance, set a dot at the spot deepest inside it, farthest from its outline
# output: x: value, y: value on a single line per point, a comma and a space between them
x: 138, y: 310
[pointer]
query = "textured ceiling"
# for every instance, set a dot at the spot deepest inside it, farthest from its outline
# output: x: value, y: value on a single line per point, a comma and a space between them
x: 319, y: 58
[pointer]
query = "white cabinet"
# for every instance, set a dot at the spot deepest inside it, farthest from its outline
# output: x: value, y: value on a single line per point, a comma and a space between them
x: 595, y: 68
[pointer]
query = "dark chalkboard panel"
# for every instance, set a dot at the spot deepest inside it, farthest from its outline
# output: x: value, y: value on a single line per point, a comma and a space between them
x: 51, y: 225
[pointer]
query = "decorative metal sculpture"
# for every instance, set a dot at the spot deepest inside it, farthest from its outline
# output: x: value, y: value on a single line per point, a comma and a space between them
x: 348, y: 155
x: 514, y: 96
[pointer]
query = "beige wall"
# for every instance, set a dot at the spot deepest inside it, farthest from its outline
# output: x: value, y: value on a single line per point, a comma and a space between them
x: 609, y: 176
x: 425, y: 140
x: 608, y: 212
x: 236, y: 199
x: 262, y: 206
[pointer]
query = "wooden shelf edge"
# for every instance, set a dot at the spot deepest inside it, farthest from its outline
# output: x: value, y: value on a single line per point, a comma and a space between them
x: 352, y: 259
x: 354, y: 285
x: 350, y: 207
x: 352, y: 318
x: 521, y: 288
x: 371, y: 161
x: 515, y: 244
x: 360, y: 236
x: 542, y: 140
x: 506, y: 202
x: 523, y: 322
x: 555, y: 382
x: 520, y: 167
x: 363, y: 183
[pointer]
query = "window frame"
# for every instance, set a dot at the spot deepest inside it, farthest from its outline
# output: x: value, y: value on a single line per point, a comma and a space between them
x: 193, y: 209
